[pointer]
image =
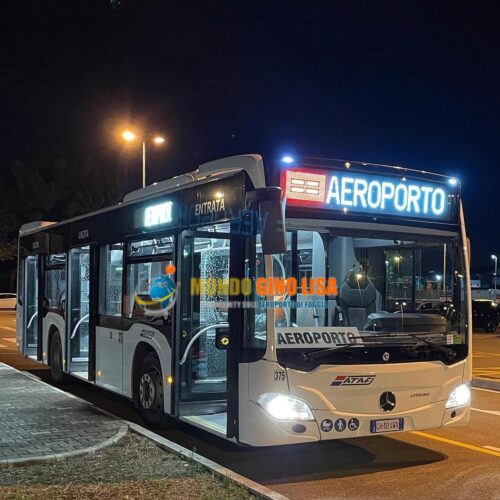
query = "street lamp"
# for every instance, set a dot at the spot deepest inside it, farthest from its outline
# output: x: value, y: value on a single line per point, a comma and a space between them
x: 495, y: 258
x: 397, y: 260
x: 158, y: 140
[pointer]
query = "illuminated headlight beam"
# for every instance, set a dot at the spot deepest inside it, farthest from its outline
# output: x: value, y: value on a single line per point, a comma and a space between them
x: 460, y: 396
x: 283, y: 407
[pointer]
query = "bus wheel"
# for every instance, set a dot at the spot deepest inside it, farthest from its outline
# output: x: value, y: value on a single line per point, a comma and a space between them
x: 150, y: 391
x: 56, y: 368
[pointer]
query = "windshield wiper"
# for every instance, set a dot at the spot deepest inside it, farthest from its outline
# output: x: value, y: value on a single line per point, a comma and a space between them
x: 309, y: 356
x: 450, y: 353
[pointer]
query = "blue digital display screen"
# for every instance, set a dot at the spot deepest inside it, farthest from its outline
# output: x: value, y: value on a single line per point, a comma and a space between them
x: 367, y: 193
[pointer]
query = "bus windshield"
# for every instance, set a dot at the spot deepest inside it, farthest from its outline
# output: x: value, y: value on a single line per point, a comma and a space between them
x: 392, y: 290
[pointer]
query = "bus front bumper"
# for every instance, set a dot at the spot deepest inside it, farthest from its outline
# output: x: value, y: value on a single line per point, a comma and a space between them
x: 264, y: 430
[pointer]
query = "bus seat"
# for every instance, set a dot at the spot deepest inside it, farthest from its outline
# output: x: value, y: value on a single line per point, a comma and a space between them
x: 357, y: 299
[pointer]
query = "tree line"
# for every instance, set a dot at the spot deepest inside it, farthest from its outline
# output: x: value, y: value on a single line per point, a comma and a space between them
x: 51, y: 190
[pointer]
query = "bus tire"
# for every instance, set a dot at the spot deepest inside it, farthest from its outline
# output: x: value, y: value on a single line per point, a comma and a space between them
x: 56, y: 364
x: 150, y: 391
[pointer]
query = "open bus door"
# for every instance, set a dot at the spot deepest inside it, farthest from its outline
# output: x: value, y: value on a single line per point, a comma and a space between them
x: 209, y: 330
x: 206, y: 349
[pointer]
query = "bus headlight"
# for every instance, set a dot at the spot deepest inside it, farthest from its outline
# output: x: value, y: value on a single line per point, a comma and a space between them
x: 283, y: 407
x: 459, y: 396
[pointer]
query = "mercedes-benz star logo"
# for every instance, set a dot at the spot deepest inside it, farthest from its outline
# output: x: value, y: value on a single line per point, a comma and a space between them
x: 387, y: 401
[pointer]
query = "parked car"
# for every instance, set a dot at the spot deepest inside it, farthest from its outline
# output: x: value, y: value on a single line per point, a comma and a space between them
x: 445, y: 308
x: 8, y: 301
x: 485, y: 314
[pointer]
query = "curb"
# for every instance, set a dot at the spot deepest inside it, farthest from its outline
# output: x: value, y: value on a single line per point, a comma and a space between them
x: 59, y: 457
x: 257, y: 489
x: 484, y: 383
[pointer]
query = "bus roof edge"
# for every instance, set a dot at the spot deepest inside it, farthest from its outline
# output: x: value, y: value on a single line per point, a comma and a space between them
x: 252, y: 164
x: 33, y: 226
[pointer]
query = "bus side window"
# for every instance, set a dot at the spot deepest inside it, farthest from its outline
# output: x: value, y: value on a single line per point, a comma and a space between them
x: 111, y: 280
x: 150, y: 289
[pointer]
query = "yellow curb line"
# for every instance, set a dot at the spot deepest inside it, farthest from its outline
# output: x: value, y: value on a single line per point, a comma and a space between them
x: 457, y: 443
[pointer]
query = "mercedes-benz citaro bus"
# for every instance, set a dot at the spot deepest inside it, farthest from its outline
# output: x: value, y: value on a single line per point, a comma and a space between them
x: 346, y: 313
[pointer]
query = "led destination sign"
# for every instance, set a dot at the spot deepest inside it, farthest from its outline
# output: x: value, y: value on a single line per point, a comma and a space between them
x: 155, y: 215
x: 359, y: 192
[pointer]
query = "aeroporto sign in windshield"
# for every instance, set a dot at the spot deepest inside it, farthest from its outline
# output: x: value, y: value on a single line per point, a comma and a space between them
x: 315, y: 337
x: 360, y: 192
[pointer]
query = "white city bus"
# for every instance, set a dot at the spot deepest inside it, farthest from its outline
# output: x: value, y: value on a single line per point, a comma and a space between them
x: 198, y: 298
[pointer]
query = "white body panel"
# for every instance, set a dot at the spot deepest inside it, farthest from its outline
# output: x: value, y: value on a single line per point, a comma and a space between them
x: 421, y: 391
x: 109, y: 359
x: 115, y: 350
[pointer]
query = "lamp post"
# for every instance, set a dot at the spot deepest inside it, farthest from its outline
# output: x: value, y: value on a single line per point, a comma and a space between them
x: 495, y: 258
x: 158, y: 140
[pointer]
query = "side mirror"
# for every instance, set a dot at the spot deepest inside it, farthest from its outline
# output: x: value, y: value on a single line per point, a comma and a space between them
x: 222, y: 338
x: 272, y: 202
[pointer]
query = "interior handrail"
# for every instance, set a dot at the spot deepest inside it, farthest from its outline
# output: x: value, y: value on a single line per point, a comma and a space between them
x: 31, y: 319
x: 193, y: 340
x: 80, y: 321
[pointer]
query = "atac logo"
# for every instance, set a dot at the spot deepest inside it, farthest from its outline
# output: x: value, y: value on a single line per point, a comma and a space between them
x: 353, y: 380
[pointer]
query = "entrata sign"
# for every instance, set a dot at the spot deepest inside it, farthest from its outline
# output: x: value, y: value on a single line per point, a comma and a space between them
x: 358, y: 192
x: 315, y: 337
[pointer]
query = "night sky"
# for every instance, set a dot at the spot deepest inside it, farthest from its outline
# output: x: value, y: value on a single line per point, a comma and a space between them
x: 409, y: 83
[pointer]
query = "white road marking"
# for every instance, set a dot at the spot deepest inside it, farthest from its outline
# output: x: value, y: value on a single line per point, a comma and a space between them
x: 491, y: 448
x: 492, y: 412
x: 485, y: 390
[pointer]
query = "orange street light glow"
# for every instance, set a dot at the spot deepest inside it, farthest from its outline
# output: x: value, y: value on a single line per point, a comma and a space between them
x: 159, y: 140
x: 128, y: 135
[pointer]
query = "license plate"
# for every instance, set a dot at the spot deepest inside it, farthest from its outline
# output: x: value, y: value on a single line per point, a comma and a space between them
x: 387, y: 425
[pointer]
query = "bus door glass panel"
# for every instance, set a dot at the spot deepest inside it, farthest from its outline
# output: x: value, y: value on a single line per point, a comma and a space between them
x: 204, y: 311
x: 55, y: 284
x: 111, y: 280
x: 31, y: 304
x: 108, y: 341
x: 79, y: 306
